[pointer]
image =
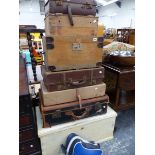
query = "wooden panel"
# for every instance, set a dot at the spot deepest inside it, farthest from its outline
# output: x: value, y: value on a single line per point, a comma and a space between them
x: 64, y: 57
x: 127, y: 81
x: 26, y: 135
x: 79, y: 21
x: 60, y: 25
x: 25, y: 120
x: 24, y: 104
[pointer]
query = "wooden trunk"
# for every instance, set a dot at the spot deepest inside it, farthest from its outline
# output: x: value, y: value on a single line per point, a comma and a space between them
x: 60, y: 25
x: 70, y: 95
x: 97, y: 128
x: 71, y: 52
x: 56, y: 81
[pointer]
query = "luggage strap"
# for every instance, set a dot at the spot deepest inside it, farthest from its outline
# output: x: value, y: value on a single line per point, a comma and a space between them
x: 70, y: 15
x: 79, y: 98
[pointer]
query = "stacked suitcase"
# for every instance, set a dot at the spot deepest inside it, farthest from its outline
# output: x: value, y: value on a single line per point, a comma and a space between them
x: 72, y: 86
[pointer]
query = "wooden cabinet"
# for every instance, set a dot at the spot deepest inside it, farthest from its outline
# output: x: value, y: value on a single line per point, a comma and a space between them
x: 126, y: 36
x: 120, y: 83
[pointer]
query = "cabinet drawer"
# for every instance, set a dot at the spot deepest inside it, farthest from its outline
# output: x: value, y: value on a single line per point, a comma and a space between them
x: 25, y: 120
x: 127, y: 81
x: 29, y: 147
x: 25, y: 104
x: 26, y: 135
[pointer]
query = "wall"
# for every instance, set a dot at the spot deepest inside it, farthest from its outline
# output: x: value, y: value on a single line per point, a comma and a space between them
x: 125, y: 16
x: 31, y: 16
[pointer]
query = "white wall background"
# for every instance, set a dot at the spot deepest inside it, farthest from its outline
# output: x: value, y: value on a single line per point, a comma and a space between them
x: 30, y: 14
x: 125, y: 16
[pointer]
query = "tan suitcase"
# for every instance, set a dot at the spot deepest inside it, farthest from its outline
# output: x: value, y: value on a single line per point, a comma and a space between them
x: 71, y: 52
x: 70, y: 95
x: 60, y: 25
x: 57, y: 97
x: 91, y: 91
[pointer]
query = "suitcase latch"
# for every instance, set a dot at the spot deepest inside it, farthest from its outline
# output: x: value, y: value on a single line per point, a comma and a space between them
x: 76, y: 47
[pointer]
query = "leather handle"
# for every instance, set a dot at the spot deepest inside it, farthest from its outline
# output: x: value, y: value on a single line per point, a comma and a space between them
x: 75, y: 117
x: 78, y: 83
x: 70, y: 15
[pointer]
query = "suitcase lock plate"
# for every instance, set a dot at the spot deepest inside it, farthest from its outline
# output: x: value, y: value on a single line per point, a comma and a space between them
x: 76, y: 47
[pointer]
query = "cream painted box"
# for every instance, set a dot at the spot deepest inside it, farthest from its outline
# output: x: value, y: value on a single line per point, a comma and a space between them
x: 97, y: 128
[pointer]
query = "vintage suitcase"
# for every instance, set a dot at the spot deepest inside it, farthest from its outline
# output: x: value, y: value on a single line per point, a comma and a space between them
x: 65, y: 112
x: 60, y: 25
x: 71, y: 52
x: 55, y: 81
x: 76, y: 7
x: 70, y: 95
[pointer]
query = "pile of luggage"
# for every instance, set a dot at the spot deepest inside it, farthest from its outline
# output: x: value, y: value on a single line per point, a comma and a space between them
x: 72, y: 86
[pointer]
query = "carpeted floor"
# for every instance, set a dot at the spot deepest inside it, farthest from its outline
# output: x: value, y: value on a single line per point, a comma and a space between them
x: 124, y: 135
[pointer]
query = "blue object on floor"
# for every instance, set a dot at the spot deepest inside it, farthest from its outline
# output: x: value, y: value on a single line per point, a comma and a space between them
x: 124, y: 135
x: 75, y: 145
x: 79, y: 149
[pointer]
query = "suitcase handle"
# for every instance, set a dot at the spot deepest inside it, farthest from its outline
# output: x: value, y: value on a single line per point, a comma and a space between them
x: 70, y: 15
x: 78, y: 83
x: 76, y: 117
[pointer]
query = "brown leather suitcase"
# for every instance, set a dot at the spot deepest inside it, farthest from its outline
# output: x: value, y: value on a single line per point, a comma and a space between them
x: 71, y: 52
x: 67, y: 112
x: 77, y: 7
x: 70, y: 95
x: 60, y: 25
x: 56, y: 81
